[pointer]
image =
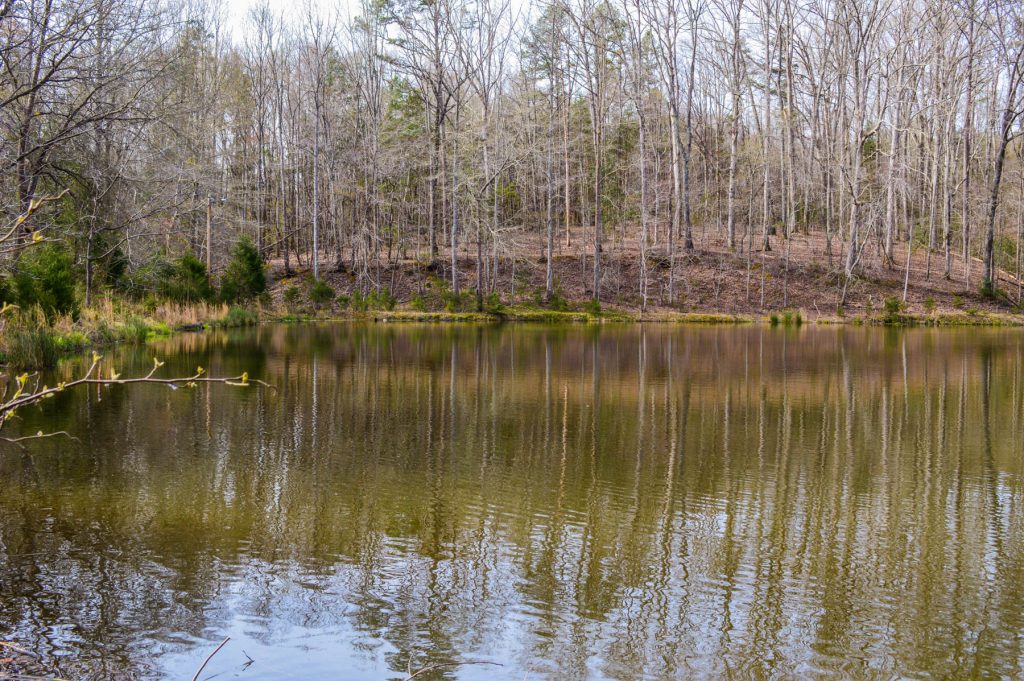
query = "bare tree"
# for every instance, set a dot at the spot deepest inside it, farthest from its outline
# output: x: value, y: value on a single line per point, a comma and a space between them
x: 1008, y: 33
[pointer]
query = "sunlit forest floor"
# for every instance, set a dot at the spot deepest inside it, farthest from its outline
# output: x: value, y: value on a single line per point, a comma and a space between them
x: 708, y: 279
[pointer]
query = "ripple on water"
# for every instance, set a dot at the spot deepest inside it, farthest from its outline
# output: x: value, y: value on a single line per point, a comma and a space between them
x: 739, y: 503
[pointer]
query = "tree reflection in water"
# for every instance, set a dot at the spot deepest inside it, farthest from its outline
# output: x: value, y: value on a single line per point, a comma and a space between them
x: 567, y: 501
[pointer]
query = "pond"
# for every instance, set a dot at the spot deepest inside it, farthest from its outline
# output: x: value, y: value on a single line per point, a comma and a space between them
x: 511, y: 502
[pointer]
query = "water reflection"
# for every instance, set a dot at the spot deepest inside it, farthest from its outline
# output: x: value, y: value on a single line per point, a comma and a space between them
x: 617, y: 502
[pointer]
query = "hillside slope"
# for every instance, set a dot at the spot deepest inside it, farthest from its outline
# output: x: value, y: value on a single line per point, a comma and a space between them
x: 709, y: 279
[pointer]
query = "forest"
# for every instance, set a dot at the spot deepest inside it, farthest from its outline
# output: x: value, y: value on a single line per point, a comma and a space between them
x: 641, y: 152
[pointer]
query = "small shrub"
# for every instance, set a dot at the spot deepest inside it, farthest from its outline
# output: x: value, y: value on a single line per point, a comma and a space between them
x: 44, y: 277
x: 958, y: 302
x: 789, y: 318
x: 343, y: 301
x: 930, y: 305
x: 381, y: 300
x: 320, y: 292
x: 773, y: 319
x: 893, y: 310
x: 238, y: 316
x: 418, y: 303
x: 493, y: 304
x: 291, y: 295
x: 185, y: 280
x: 358, y: 302
x: 244, y: 278
x: 557, y: 302
x: 135, y: 330
x: 592, y: 306
x: 458, y: 302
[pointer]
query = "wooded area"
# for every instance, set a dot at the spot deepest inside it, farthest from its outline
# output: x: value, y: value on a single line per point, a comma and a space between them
x: 465, y: 135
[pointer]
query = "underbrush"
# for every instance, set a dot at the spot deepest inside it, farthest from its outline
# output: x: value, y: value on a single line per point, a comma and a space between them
x: 30, y: 348
x: 236, y: 317
x: 31, y: 340
x: 786, y: 318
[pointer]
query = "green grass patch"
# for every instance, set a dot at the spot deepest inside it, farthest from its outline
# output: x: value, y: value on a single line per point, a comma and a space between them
x: 237, y: 316
x: 39, y: 347
x: 135, y: 330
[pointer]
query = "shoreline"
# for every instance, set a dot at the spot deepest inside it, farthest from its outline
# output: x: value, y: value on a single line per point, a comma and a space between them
x: 139, y: 330
x: 791, y: 318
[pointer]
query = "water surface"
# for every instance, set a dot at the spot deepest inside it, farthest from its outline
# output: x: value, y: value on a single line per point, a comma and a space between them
x: 615, y: 502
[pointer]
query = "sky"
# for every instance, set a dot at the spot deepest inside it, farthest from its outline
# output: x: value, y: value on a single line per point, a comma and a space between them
x: 238, y: 10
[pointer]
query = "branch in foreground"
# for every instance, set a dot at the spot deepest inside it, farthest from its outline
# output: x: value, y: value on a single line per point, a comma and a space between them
x: 27, y: 395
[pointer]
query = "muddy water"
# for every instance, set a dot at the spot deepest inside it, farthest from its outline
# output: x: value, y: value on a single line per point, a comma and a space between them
x: 558, y: 502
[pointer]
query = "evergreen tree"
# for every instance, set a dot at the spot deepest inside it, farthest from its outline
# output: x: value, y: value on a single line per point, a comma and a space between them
x: 244, y: 278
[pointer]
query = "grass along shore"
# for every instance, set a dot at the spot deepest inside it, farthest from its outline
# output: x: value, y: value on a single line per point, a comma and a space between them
x: 29, y: 341
x: 526, y: 313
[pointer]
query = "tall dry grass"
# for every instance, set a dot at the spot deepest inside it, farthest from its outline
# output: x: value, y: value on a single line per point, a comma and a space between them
x: 29, y: 341
x: 176, y: 315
